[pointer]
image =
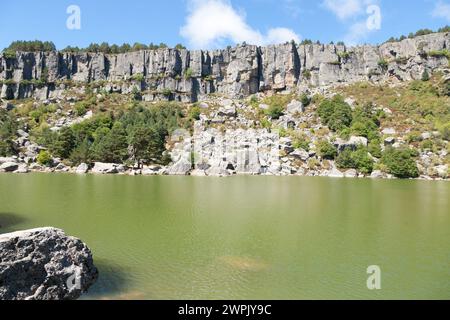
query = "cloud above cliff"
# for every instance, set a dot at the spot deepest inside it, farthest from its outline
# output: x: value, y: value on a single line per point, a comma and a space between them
x: 344, y: 9
x: 211, y: 23
x: 363, y: 17
x: 442, y: 10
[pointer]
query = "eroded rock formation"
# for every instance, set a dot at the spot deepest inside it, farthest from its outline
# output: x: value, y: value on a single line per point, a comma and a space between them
x: 237, y: 72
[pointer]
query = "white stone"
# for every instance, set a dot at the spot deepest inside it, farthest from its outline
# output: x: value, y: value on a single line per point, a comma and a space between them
x: 377, y: 174
x: 104, y: 168
x: 295, y: 107
x: 352, y: 173
x: 389, y: 131
x: 335, y: 173
x: 82, y: 168
x: 9, y: 166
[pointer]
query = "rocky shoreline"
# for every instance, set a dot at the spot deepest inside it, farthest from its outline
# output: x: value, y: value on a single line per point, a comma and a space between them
x: 156, y: 170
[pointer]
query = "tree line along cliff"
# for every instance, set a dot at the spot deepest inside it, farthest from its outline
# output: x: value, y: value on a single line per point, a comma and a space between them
x: 186, y: 76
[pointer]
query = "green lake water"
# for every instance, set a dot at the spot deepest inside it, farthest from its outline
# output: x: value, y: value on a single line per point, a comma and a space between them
x: 245, y: 237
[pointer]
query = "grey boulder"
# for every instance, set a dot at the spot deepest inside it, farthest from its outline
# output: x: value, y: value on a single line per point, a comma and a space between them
x: 9, y: 167
x: 82, y: 168
x: 44, y: 264
x: 104, y: 168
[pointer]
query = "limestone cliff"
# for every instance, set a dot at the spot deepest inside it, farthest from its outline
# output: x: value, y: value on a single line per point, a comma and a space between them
x: 238, y: 72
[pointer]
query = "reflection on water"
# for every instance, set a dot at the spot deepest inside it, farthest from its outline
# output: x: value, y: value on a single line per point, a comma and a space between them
x: 132, y: 295
x: 10, y: 220
x: 244, y: 237
x: 112, y: 280
x: 244, y: 263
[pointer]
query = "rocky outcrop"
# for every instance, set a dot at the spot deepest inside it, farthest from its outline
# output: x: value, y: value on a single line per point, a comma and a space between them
x: 186, y: 76
x: 239, y: 151
x: 44, y: 264
x: 107, y: 168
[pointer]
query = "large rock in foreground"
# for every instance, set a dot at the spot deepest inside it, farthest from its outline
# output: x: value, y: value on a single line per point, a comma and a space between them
x: 44, y: 264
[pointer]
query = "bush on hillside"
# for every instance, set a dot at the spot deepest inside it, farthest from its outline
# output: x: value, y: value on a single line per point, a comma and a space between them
x: 359, y: 160
x: 400, y: 163
x: 335, y: 113
x: 326, y: 150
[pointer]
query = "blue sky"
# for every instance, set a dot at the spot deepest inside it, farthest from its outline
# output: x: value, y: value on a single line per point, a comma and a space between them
x: 217, y: 23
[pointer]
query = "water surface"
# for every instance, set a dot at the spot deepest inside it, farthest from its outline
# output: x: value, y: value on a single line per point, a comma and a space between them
x: 244, y: 237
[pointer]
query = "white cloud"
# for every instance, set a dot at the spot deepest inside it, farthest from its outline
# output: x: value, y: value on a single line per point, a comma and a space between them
x: 361, y: 27
x: 357, y: 33
x: 442, y: 10
x: 211, y: 22
x: 344, y: 9
x: 292, y: 8
x: 280, y: 35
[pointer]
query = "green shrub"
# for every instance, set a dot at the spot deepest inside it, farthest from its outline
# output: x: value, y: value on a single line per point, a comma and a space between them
x: 374, y: 148
x: 359, y: 160
x: 188, y: 73
x: 427, y: 145
x: 8, y: 82
x: 208, y: 78
x: 344, y: 160
x: 400, y: 163
x: 274, y: 111
x: 439, y: 53
x: 301, y: 143
x: 80, y: 109
x: 139, y: 77
x: 445, y: 131
x: 425, y: 76
x: 306, y: 74
x: 167, y: 92
x: 8, y: 133
x: 194, y: 113
x: 305, y: 100
x: 136, y: 94
x: 266, y: 124
x: 41, y: 113
x: 365, y: 123
x: 363, y: 162
x: 446, y: 89
x: 344, y: 55
x: 44, y: 158
x: 254, y: 101
x: 9, y: 54
x: 326, y: 150
x: 383, y: 64
x: 335, y: 113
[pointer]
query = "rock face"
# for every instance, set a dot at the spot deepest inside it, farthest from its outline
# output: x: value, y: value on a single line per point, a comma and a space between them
x: 105, y: 168
x: 239, y: 151
x: 44, y: 264
x: 186, y: 76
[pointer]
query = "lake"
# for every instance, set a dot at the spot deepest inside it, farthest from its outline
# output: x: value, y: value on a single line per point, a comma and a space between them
x: 247, y: 237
